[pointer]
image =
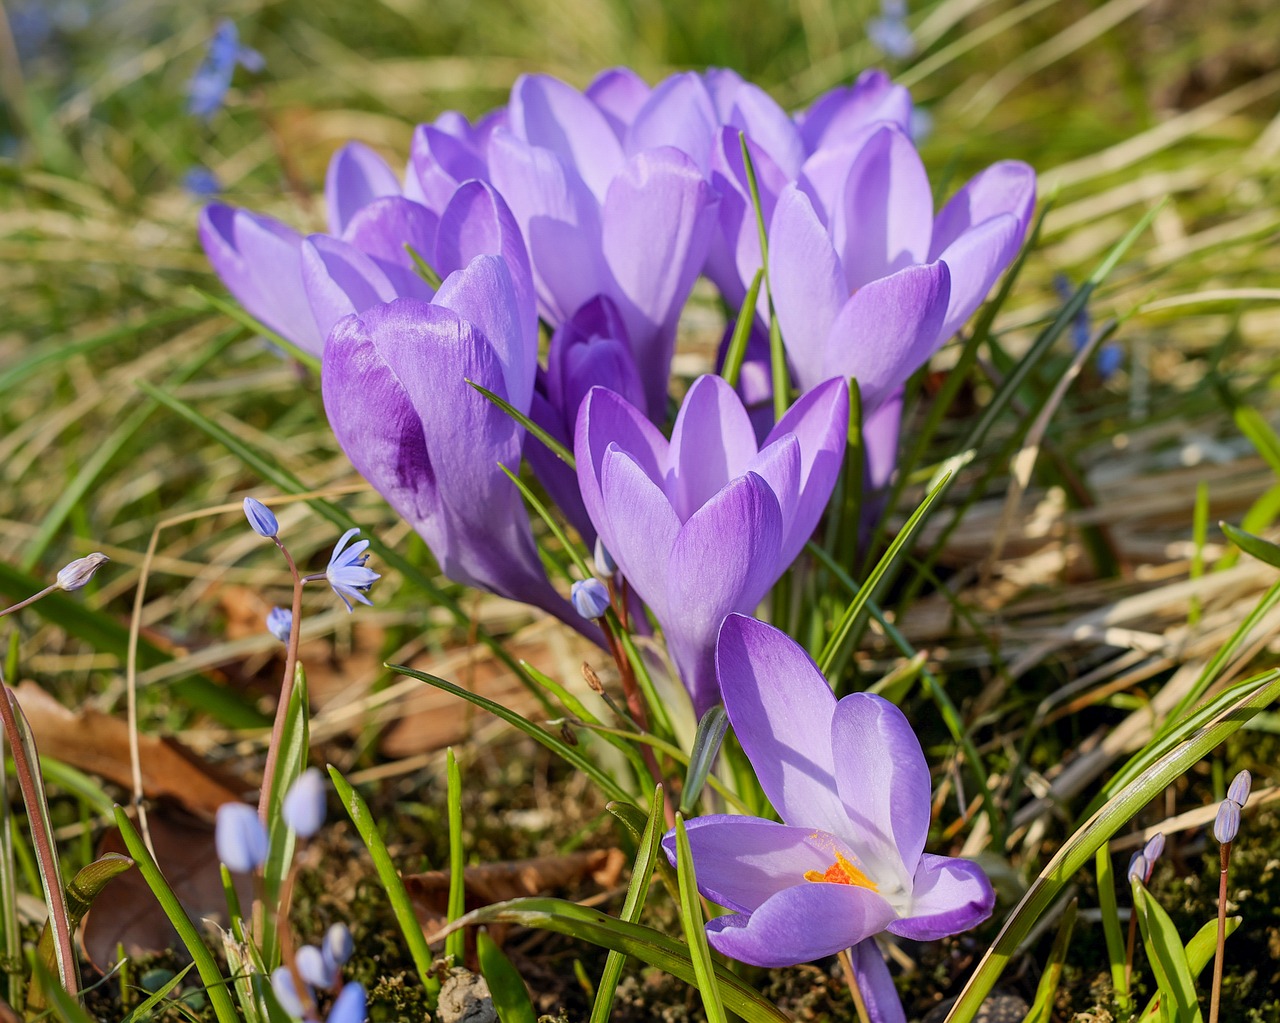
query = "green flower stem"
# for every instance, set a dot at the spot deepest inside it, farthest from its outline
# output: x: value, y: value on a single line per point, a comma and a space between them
x: 286, y: 688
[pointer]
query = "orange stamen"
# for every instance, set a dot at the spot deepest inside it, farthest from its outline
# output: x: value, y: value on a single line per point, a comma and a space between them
x: 842, y: 872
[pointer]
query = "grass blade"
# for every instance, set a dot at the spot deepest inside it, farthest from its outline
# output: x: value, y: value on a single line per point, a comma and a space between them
x: 506, y: 986
x: 1166, y: 955
x: 455, y: 946
x: 1111, y: 929
x: 1047, y: 989
x: 694, y: 931
x: 291, y: 761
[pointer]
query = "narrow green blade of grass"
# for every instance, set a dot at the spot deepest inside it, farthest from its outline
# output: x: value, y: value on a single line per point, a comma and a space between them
x: 694, y: 930
x: 736, y: 353
x: 644, y: 943
x: 62, y: 1007
x: 145, y: 1009
x: 455, y: 946
x: 256, y: 326
x: 1166, y: 955
x: 557, y: 449
x: 1047, y: 989
x: 291, y: 761
x: 579, y: 562
x: 401, y: 906
x: 636, y: 822
x: 1199, y: 952
x: 1254, y: 426
x: 506, y: 986
x: 632, y: 905
x: 1111, y: 930
x: 207, y: 966
x: 706, y: 744
x: 1264, y: 550
x: 1249, y: 698
x: 603, y: 781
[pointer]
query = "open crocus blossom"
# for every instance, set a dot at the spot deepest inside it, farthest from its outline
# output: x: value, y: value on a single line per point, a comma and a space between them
x: 705, y: 524
x: 866, y: 282
x: 850, y: 782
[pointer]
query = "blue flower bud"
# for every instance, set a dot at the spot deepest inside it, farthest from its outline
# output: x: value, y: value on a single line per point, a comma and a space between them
x: 280, y: 623
x: 1240, y: 787
x: 605, y: 565
x: 303, y: 807
x: 314, y: 968
x: 80, y: 571
x: 337, y: 945
x: 590, y: 598
x: 260, y: 518
x: 240, y: 838
x: 1227, y: 825
x: 1153, y: 849
x: 1137, y: 867
x: 286, y: 992
x: 349, y: 1006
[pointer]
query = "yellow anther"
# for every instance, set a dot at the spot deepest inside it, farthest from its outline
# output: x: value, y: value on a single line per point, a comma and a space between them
x: 842, y: 872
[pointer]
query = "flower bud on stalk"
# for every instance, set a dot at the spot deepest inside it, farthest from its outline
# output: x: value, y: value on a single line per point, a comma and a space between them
x: 1225, y: 828
x: 261, y: 518
x: 79, y: 572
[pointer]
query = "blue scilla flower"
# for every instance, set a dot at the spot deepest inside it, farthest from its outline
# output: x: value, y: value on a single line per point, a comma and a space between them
x: 590, y: 598
x: 207, y: 90
x: 260, y: 517
x: 303, y: 807
x: 1109, y: 357
x: 314, y: 968
x: 337, y: 945
x: 240, y: 838
x: 280, y: 623
x: 349, y: 1006
x: 346, y: 572
x: 890, y: 33
x: 201, y: 182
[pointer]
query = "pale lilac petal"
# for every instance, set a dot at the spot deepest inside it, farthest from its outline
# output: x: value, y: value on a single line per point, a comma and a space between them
x: 1005, y: 187
x: 876, y: 984
x: 655, y: 223
x: 640, y: 529
x: 820, y: 422
x: 357, y: 175
x: 712, y: 442
x: 807, y: 285
x: 439, y: 161
x: 781, y: 707
x: 678, y: 113
x: 382, y: 229
x: 837, y: 115
x: 825, y: 173
x: 888, y: 330
x: 756, y: 113
x: 884, y: 784
x: 742, y: 861
x: 619, y: 93
x: 880, y: 441
x: 341, y: 280
x: 800, y: 924
x: 724, y: 560
x: 734, y: 256
x: 886, y: 220
x: 778, y: 464
x: 547, y: 112
x: 949, y: 896
x: 975, y: 260
x: 260, y: 261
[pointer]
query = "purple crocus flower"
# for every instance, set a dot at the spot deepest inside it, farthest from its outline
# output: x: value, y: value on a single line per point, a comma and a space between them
x: 447, y: 152
x: 866, y: 282
x: 598, y: 221
x: 705, y: 524
x: 850, y: 782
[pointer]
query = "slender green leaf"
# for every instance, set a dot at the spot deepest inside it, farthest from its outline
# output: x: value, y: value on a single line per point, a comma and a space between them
x: 736, y: 353
x: 634, y: 820
x: 644, y: 943
x: 1254, y: 425
x: 1248, y: 699
x: 291, y: 761
x: 1047, y: 989
x: 425, y: 270
x: 215, y: 984
x: 506, y: 986
x: 456, y: 945
x: 557, y: 448
x: 632, y: 905
x: 256, y: 326
x: 1199, y: 952
x: 572, y: 756
x: 1167, y: 957
x: 706, y: 744
x: 145, y: 1009
x: 1264, y: 550
x: 544, y: 513
x: 367, y: 827
x: 694, y: 928
x: 1111, y: 930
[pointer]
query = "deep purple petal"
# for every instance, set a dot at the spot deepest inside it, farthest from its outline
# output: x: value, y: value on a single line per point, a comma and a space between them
x: 888, y: 330
x: 884, y: 785
x: 590, y: 350
x: 950, y: 895
x: 547, y: 112
x: 382, y: 229
x: 807, y: 285
x: 1005, y: 187
x: 639, y: 528
x: 874, y: 981
x: 260, y: 261
x: 656, y: 223
x: 781, y: 708
x: 742, y: 861
x: 357, y: 175
x: 679, y: 112
x: 725, y: 559
x: 712, y: 442
x: 556, y: 476
x: 619, y: 93
x: 801, y: 924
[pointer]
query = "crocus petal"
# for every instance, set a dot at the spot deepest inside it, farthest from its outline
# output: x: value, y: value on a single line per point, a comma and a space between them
x: 724, y: 559
x: 679, y: 113
x: 734, y: 256
x: 778, y: 464
x: 655, y: 226
x: 438, y: 162
x: 1005, y: 187
x: 383, y: 228
x: 835, y: 116
x: 260, y: 261
x: 888, y: 330
x: 880, y: 441
x: 886, y: 218
x: 801, y: 924
x: 742, y: 861
x: 806, y: 283
x: 757, y: 114
x: 711, y: 443
x: 639, y: 528
x: 547, y: 112
x: 341, y: 280
x: 949, y: 896
x: 884, y: 783
x: 357, y: 175
x: 780, y: 705
x: 619, y: 93
x: 876, y: 984
x: 555, y: 475
x: 975, y: 260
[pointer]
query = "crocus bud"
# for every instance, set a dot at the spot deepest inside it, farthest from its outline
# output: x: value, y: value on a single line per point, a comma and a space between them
x: 304, y: 803
x: 80, y: 571
x: 605, y: 565
x: 1238, y: 791
x: 590, y: 598
x: 1227, y: 825
x: 349, y: 1006
x: 286, y: 991
x: 1153, y: 849
x: 260, y: 518
x: 280, y: 623
x: 1137, y: 867
x: 314, y: 968
x: 337, y: 945
x: 240, y: 838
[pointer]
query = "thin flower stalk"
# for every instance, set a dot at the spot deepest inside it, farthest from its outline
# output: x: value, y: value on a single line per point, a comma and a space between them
x: 1225, y: 829
x: 286, y: 685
